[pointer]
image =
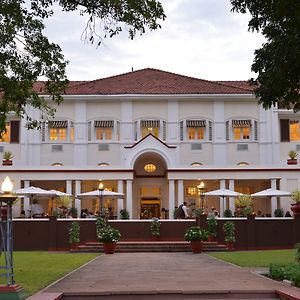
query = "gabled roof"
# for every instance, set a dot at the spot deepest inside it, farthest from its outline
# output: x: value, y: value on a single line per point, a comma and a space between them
x: 156, y: 82
x: 148, y: 136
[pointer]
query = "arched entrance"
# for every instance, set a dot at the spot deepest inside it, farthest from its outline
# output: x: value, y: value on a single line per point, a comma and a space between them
x: 149, y: 187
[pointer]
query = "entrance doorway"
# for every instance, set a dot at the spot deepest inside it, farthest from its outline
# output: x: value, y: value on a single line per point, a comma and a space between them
x: 150, y: 208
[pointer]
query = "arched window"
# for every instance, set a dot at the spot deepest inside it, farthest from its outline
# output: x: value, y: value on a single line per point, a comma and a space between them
x: 243, y: 164
x: 57, y: 164
x: 103, y: 164
x: 196, y: 164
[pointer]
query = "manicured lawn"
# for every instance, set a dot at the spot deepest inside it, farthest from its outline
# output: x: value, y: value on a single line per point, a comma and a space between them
x: 35, y: 270
x: 257, y: 258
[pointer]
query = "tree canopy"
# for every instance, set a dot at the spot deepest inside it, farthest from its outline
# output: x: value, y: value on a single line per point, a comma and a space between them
x: 26, y: 54
x: 277, y: 62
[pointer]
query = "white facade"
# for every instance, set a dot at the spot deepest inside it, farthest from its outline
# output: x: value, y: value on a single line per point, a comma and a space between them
x: 195, y: 136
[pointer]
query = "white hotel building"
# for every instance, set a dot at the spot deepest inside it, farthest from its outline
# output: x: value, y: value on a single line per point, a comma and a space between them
x: 153, y: 135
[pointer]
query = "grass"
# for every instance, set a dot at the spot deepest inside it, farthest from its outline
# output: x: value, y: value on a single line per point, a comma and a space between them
x: 257, y: 258
x: 35, y: 270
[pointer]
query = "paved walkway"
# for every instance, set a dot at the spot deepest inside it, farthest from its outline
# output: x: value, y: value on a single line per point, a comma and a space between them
x: 129, y: 272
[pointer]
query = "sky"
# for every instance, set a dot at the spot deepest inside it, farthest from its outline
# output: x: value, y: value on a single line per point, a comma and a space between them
x: 199, y: 38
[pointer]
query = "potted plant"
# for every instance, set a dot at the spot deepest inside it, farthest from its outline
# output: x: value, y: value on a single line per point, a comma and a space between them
x: 109, y: 236
x: 211, y: 227
x: 197, y: 212
x: 195, y: 236
x: 73, y: 212
x: 155, y: 228
x: 295, y: 207
x: 243, y: 205
x: 124, y: 214
x: 74, y: 235
x: 292, y: 157
x: 278, y: 212
x: 229, y: 229
x: 7, y: 158
x: 227, y: 213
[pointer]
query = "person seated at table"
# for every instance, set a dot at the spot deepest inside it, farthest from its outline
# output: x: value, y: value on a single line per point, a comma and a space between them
x: 36, y: 210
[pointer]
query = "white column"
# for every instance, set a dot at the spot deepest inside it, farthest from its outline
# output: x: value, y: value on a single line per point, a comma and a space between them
x: 129, y: 197
x: 231, y: 199
x: 180, y: 192
x: 26, y: 199
x: 120, y: 204
x: 69, y: 187
x: 273, y: 199
x: 171, y: 199
x: 77, y: 187
x: 222, y: 200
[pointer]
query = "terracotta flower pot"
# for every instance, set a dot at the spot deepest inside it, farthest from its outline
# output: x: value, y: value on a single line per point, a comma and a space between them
x: 292, y: 161
x: 109, y: 248
x: 7, y: 162
x: 196, y: 246
x: 295, y: 207
x: 211, y: 238
x: 74, y: 246
x: 230, y: 246
x: 155, y: 237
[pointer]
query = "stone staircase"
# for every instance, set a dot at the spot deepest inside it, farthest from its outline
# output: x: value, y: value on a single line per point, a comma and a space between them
x: 149, y: 246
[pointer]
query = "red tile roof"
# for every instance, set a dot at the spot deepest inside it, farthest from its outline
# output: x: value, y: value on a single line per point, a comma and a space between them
x: 156, y: 82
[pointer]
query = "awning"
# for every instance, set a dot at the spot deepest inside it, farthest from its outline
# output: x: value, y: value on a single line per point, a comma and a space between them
x: 241, y: 123
x: 195, y: 123
x: 104, y: 123
x: 58, y: 124
x: 150, y: 123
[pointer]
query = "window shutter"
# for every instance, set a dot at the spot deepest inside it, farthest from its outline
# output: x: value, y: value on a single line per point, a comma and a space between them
x: 255, y: 131
x: 118, y: 131
x: 285, y: 130
x: 164, y: 130
x: 135, y: 131
x: 89, y: 131
x: 209, y: 130
x: 181, y: 130
x: 14, y: 131
x: 43, y: 131
x: 227, y: 130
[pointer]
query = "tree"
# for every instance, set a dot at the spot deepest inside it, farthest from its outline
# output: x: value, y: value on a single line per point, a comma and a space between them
x: 277, y: 62
x: 26, y: 54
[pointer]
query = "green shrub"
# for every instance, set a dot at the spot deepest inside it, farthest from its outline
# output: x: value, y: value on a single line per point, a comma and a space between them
x: 124, y: 214
x: 278, y: 212
x: 229, y: 229
x: 297, y: 255
x: 74, y: 232
x: 276, y: 272
x: 211, y: 225
x: 227, y: 213
x: 155, y: 226
x: 194, y: 233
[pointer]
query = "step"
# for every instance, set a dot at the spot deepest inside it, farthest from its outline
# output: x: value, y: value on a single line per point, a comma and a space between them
x: 150, y: 246
x: 170, y: 295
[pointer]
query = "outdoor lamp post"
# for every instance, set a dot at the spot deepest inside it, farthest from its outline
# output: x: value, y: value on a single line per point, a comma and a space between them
x: 201, y: 189
x: 100, y: 189
x: 10, y: 290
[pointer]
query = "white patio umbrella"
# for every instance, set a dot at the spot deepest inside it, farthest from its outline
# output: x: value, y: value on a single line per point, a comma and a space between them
x: 101, y: 195
x: 271, y: 193
x: 223, y: 193
x: 33, y: 191
x: 104, y: 194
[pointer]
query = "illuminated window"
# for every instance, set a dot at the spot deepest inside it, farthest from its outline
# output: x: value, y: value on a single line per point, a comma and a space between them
x: 196, y: 133
x: 243, y: 163
x: 58, y: 134
x: 72, y: 134
x: 150, y: 168
x: 103, y: 164
x: 191, y: 191
x: 294, y: 131
x: 152, y: 130
x: 57, y: 164
x: 150, y: 126
x: 104, y: 133
x: 6, y: 135
x: 241, y: 133
x: 196, y: 164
